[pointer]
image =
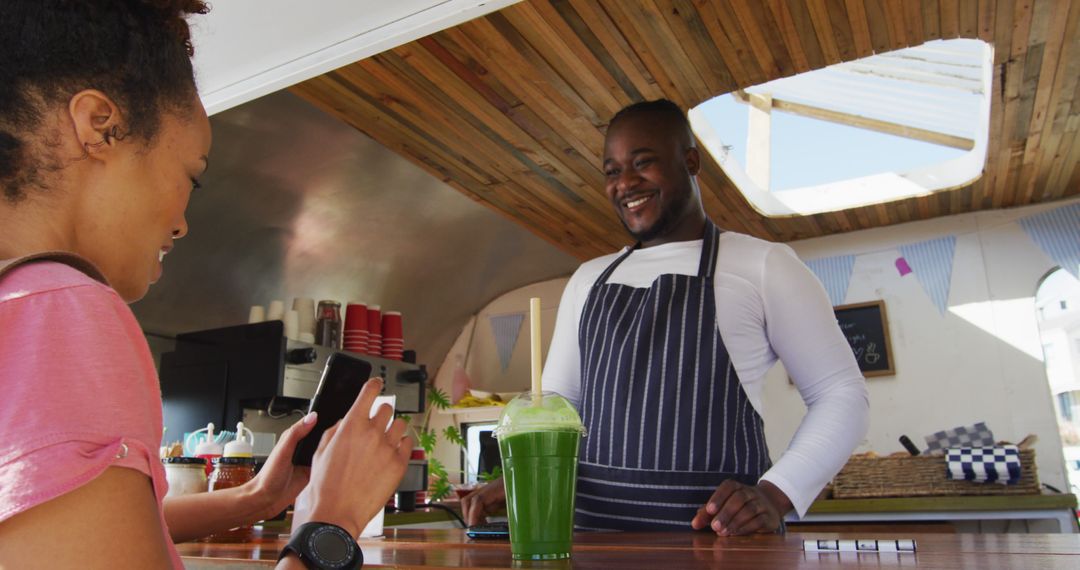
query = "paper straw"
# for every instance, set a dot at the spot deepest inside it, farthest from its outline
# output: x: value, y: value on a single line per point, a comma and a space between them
x: 534, y: 322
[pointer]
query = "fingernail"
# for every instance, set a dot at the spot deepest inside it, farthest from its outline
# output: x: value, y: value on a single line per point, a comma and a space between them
x: 310, y: 418
x: 711, y: 508
x: 716, y: 526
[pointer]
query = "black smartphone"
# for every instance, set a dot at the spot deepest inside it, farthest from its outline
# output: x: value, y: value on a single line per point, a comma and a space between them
x: 339, y: 386
x: 489, y: 531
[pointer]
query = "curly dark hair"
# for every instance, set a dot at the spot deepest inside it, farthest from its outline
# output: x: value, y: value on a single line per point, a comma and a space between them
x: 138, y: 52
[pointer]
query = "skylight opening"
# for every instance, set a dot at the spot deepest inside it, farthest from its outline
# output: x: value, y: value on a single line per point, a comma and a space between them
x: 887, y: 127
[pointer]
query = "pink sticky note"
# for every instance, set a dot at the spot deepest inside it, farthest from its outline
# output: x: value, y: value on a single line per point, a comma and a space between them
x: 902, y: 266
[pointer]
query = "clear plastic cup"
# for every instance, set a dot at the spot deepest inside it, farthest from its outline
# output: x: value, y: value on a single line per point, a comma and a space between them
x: 539, y: 440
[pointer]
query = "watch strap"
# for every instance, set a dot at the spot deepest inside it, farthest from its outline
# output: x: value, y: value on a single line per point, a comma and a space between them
x: 302, y: 545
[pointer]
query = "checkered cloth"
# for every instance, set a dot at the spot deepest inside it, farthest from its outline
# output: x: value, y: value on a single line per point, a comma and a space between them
x: 999, y: 464
x: 977, y: 435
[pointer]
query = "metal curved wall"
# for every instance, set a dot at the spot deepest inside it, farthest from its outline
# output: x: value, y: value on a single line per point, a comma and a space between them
x: 296, y: 203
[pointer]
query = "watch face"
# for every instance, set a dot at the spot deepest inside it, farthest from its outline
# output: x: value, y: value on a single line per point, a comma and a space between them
x: 331, y: 547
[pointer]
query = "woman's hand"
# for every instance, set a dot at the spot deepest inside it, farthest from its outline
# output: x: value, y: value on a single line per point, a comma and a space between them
x: 279, y: 481
x: 358, y: 464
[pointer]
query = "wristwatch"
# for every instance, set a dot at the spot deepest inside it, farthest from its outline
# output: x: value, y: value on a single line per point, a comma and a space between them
x: 324, y: 546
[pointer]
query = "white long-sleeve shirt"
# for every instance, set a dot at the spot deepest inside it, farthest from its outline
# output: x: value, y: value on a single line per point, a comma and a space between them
x: 769, y: 306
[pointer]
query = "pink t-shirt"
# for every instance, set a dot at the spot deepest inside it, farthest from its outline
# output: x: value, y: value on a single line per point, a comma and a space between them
x: 78, y: 389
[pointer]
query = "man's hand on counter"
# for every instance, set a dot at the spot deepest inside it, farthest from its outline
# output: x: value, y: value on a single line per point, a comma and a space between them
x: 736, y: 509
x: 486, y: 500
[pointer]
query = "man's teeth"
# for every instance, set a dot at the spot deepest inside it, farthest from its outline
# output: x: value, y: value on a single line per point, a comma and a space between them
x: 638, y: 202
x: 161, y: 255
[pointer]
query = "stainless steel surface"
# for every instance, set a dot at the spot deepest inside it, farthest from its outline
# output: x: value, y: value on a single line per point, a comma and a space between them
x: 301, y: 380
x: 298, y: 204
x: 415, y: 478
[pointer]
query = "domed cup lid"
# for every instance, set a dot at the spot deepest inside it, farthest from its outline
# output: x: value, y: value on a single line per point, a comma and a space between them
x: 548, y: 412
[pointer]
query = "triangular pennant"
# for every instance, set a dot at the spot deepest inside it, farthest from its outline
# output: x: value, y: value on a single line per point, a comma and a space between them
x: 505, y: 329
x: 835, y: 274
x: 931, y: 261
x: 902, y: 266
x: 1057, y: 233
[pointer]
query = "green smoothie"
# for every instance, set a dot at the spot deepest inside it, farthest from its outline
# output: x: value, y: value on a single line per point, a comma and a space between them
x: 540, y: 473
x: 539, y: 435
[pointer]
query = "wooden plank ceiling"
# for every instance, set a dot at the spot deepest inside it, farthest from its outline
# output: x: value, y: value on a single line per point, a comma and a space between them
x: 511, y: 108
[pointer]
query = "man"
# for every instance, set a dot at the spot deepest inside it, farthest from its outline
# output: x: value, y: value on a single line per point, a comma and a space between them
x: 664, y: 348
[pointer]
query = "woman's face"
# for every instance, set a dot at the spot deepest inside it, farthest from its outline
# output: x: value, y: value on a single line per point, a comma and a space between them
x: 130, y: 219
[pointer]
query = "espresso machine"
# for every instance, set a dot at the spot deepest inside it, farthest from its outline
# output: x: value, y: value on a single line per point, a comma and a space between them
x: 253, y: 373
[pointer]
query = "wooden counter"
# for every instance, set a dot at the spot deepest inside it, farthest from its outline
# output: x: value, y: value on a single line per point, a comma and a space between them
x: 407, y: 548
x: 1060, y: 508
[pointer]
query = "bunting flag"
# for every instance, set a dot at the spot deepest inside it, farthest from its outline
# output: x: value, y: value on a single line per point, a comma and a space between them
x: 835, y: 274
x: 1057, y: 233
x: 902, y: 266
x: 931, y: 261
x: 505, y: 329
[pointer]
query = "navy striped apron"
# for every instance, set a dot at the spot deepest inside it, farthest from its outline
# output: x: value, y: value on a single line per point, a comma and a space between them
x: 667, y: 417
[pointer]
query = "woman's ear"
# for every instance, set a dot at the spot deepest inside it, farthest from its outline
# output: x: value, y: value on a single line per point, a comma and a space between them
x: 96, y: 119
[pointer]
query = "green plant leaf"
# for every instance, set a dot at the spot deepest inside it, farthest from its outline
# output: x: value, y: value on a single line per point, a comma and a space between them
x: 428, y: 438
x: 438, y: 398
x: 439, y: 489
x: 488, y: 476
x: 436, y: 468
x: 453, y: 435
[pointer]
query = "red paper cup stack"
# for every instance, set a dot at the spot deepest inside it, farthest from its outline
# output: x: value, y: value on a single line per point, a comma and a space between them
x: 355, y: 334
x: 374, y: 322
x: 393, y: 341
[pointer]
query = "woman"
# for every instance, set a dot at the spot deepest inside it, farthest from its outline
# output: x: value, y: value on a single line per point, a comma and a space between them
x: 102, y: 141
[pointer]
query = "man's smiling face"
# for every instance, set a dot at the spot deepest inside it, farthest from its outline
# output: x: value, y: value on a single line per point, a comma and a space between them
x: 648, y: 169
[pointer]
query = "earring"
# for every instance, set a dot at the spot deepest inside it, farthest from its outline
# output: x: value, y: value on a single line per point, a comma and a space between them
x: 90, y: 147
x: 111, y: 134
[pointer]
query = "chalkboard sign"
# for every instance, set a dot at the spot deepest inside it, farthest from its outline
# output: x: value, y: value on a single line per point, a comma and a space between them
x: 867, y: 331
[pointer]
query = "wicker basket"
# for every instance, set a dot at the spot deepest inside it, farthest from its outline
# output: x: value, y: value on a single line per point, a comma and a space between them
x: 922, y: 475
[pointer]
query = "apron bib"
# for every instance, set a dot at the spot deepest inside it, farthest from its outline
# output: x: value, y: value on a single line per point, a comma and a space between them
x: 667, y: 418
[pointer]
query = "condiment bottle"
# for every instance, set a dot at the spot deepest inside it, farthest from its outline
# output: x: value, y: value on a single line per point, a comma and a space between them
x: 207, y: 449
x: 232, y: 472
x: 186, y: 475
x: 328, y: 324
x: 242, y: 445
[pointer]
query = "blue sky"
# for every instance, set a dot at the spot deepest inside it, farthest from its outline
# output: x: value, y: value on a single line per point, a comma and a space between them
x: 808, y: 152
